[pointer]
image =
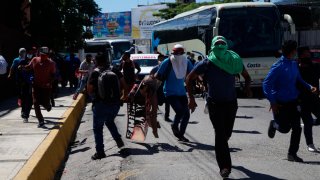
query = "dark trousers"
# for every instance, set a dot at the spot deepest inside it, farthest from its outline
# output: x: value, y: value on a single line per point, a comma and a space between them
x: 288, y: 118
x: 26, y: 100
x: 309, y: 106
x: 167, y: 109
x: 104, y: 114
x: 41, y: 96
x: 180, y: 106
x: 222, y: 116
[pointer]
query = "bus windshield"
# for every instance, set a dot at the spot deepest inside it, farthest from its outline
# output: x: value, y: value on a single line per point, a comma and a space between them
x: 251, y: 32
x: 119, y: 48
x: 95, y: 48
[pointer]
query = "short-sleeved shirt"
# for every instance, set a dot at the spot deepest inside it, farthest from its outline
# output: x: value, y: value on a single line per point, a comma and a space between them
x: 86, y: 66
x: 221, y: 85
x: 93, y: 80
x: 24, y: 76
x: 3, y: 65
x: 14, y: 67
x: 172, y: 85
x: 129, y: 70
x: 44, y: 72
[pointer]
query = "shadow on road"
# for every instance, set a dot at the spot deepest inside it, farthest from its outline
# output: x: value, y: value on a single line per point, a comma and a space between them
x: 80, y: 150
x: 198, y: 146
x: 252, y: 175
x: 250, y: 106
x: 244, y: 117
x: 246, y: 132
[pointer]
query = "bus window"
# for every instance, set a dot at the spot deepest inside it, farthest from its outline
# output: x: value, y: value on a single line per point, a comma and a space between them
x: 245, y: 28
x: 119, y: 48
x: 206, y: 16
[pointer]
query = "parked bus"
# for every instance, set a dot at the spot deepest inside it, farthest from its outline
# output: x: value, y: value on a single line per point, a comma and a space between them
x: 253, y: 30
x: 114, y: 48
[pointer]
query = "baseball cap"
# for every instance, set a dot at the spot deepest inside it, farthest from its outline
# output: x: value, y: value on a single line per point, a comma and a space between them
x: 22, y: 50
x: 44, y: 50
x: 178, y: 49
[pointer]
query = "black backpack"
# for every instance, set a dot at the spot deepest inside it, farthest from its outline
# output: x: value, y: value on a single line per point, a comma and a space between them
x: 109, y: 87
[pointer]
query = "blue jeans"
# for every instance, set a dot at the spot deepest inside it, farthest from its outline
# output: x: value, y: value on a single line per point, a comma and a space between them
x: 81, y: 85
x: 104, y: 114
x: 180, y: 106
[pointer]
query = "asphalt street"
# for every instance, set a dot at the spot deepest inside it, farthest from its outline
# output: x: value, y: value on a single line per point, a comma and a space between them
x: 254, y: 155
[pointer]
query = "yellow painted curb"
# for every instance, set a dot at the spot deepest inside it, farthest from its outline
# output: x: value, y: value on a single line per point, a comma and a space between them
x: 46, y: 160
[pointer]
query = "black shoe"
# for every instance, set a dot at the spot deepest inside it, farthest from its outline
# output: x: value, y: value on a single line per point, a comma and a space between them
x: 41, y: 125
x: 25, y: 120
x: 294, y: 158
x: 167, y: 119
x: 49, y: 108
x: 183, y: 139
x: 175, y: 131
x: 98, y: 156
x: 224, y: 173
x: 120, y: 143
x: 317, y: 122
x: 271, y: 130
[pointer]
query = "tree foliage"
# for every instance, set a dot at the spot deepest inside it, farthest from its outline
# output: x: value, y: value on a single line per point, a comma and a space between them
x: 177, y: 8
x: 62, y: 23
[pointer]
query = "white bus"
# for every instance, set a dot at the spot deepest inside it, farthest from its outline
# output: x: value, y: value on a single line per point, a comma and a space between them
x: 114, y: 48
x: 253, y: 30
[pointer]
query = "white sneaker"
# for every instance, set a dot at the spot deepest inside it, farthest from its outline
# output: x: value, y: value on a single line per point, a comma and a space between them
x: 311, y: 148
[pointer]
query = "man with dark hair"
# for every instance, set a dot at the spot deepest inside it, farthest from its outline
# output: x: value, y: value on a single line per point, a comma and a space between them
x: 310, y: 102
x: 44, y: 71
x: 128, y: 67
x: 104, y: 110
x: 280, y: 88
x: 86, y: 67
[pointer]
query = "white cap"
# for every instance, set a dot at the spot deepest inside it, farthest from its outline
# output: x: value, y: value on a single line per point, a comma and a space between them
x: 22, y: 50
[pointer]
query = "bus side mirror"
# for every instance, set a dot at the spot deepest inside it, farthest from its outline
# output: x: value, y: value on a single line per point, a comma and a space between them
x: 288, y: 18
x: 216, y: 28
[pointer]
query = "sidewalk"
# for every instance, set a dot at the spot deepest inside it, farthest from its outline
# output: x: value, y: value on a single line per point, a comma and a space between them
x: 19, y: 140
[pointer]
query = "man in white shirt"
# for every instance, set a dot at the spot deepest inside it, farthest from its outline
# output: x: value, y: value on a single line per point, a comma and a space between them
x: 3, y: 65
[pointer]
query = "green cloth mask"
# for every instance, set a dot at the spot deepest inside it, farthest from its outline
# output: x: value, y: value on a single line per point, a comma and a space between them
x: 225, y: 59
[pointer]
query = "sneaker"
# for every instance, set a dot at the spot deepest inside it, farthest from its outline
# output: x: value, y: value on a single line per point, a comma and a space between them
x: 75, y: 96
x: 98, y: 156
x: 183, y: 139
x: 120, y: 143
x: 41, y: 125
x: 225, y: 173
x: 175, y: 131
x: 25, y: 120
x: 294, y: 158
x: 271, y: 130
x: 311, y: 148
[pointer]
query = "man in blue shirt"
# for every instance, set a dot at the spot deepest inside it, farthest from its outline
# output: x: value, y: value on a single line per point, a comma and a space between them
x: 174, y: 89
x: 222, y: 96
x: 280, y: 88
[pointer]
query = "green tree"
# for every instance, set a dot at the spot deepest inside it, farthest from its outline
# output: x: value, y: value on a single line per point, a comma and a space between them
x: 62, y: 23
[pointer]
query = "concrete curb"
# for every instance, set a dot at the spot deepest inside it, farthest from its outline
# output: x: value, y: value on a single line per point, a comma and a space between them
x: 47, y: 158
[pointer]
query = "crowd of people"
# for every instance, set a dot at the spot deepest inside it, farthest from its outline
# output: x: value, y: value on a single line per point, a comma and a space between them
x: 172, y: 83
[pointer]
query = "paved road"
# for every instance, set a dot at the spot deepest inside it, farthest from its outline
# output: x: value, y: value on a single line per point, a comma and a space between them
x: 254, y: 155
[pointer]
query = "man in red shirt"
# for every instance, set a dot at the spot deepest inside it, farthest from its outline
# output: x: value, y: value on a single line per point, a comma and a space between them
x: 44, y: 71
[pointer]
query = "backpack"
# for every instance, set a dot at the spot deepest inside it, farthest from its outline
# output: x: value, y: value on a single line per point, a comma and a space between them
x: 109, y: 87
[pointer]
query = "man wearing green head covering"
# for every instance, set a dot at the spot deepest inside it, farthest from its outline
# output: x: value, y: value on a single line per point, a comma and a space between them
x: 220, y: 69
